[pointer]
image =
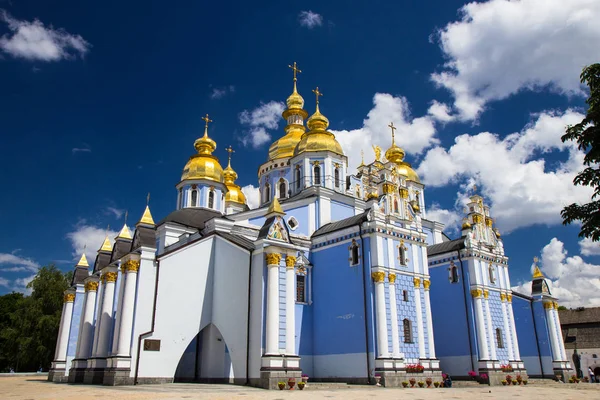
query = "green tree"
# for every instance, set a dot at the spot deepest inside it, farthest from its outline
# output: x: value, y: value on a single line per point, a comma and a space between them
x: 587, y: 135
x: 28, y: 337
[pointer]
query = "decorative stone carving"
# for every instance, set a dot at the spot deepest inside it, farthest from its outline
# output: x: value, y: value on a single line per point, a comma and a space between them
x: 91, y: 286
x: 273, y: 258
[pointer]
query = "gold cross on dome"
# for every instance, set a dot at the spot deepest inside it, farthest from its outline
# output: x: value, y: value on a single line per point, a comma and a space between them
x: 536, y: 259
x: 207, y: 120
x: 393, y: 128
x: 317, y: 94
x: 230, y: 150
x: 148, y: 199
x: 295, y: 69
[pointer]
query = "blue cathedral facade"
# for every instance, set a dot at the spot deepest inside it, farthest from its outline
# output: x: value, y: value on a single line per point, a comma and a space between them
x: 338, y: 274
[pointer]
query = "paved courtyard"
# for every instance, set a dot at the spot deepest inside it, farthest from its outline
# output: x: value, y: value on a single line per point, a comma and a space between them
x: 36, y: 387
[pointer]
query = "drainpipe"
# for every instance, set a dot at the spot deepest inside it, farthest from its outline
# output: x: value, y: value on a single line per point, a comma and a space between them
x: 362, y: 248
x: 462, y: 271
x: 248, y: 324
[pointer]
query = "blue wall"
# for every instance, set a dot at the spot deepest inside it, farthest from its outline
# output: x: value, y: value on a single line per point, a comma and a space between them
x: 498, y: 322
x: 301, y: 215
x: 75, y: 320
x: 340, y: 211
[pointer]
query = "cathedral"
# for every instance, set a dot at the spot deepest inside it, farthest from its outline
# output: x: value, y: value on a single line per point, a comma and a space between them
x: 338, y: 275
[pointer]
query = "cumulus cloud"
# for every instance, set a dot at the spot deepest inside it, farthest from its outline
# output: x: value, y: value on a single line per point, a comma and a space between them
x: 18, y: 284
x: 589, y: 248
x: 499, y: 47
x: 258, y: 121
x: 310, y: 19
x: 440, y: 112
x: 514, y: 176
x: 575, y: 282
x: 450, y: 218
x: 252, y: 194
x: 117, y: 212
x: 412, y: 134
x: 35, y: 41
x: 220, y: 92
x: 10, y: 262
x: 88, y: 238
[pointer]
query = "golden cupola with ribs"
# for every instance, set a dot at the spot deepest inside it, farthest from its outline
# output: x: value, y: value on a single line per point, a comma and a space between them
x: 204, y: 165
x: 396, y: 155
x: 234, y: 192
x: 294, y: 115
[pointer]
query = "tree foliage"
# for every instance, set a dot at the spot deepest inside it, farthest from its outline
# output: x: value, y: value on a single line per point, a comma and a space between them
x: 29, y: 324
x: 587, y: 136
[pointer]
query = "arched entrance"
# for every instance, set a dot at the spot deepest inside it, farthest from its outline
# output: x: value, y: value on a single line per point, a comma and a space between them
x: 206, y: 359
x: 596, y: 372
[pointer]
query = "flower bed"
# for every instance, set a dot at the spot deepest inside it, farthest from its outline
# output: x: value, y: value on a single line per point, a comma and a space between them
x: 415, y: 368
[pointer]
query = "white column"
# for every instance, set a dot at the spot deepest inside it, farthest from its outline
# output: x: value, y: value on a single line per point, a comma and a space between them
x: 491, y: 332
x: 65, y: 325
x: 561, y: 342
x: 86, y: 328
x: 556, y: 353
x: 394, y: 316
x: 290, y: 306
x: 513, y: 328
x: 419, y: 312
x: 479, y: 323
x: 272, y: 345
x: 118, y: 312
x: 106, y: 314
x: 128, y: 301
x: 381, y: 317
x: 507, y: 331
x: 429, y: 321
x: 100, y: 301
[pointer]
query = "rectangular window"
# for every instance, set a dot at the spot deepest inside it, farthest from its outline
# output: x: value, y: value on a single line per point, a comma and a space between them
x: 301, y: 288
x: 405, y: 295
x: 499, y: 338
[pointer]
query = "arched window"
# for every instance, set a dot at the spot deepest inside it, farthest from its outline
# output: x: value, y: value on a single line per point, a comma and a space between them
x: 194, y: 197
x: 211, y: 199
x: 499, y: 338
x: 282, y: 189
x: 354, y: 253
x: 396, y: 205
x: 337, y: 177
x: 402, y: 254
x: 405, y: 295
x: 453, y: 273
x: 267, y: 192
x: 357, y: 191
x: 180, y: 199
x: 317, y: 174
x: 491, y: 273
x: 407, y: 330
x: 298, y: 177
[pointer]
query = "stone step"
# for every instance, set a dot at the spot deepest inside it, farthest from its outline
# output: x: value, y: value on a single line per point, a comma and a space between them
x: 327, y: 385
x: 465, y: 384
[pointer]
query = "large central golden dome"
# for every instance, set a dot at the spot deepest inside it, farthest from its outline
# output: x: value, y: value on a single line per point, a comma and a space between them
x: 204, y: 165
x: 318, y: 138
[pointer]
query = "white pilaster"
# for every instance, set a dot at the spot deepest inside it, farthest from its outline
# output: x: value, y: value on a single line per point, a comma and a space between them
x: 131, y: 270
x: 556, y: 353
x: 86, y: 328
x: 479, y: 323
x: 65, y: 327
x: 272, y: 345
x: 561, y: 343
x: 118, y: 313
x: 106, y: 314
x: 98, y: 315
x: 381, y: 316
x: 513, y: 328
x: 290, y: 306
x: 429, y: 321
x: 491, y: 333
x: 507, y: 331
x: 394, y: 315
x: 419, y: 312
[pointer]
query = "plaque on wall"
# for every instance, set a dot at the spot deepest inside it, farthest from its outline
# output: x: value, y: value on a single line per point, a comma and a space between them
x: 151, y: 345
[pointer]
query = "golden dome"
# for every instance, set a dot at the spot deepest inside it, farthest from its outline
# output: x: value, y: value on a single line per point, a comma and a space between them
x: 395, y: 154
x: 317, y: 138
x: 234, y: 192
x: 405, y: 169
x: 204, y: 165
x: 466, y: 224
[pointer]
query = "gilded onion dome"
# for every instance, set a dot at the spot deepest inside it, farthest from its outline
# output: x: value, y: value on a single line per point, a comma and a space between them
x: 318, y: 138
x: 204, y: 165
x: 294, y: 115
x: 234, y: 192
x: 396, y: 155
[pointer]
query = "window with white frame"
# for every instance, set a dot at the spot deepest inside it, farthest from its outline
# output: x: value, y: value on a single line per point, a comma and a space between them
x: 317, y: 174
x: 282, y: 189
x: 337, y: 177
x: 298, y: 177
x: 301, y: 288
x: 491, y: 273
x: 405, y: 295
x: 267, y: 192
x: 211, y: 199
x: 499, y: 339
x: 354, y: 253
x: 407, y: 325
x: 194, y: 197
x: 452, y: 273
x: 402, y: 253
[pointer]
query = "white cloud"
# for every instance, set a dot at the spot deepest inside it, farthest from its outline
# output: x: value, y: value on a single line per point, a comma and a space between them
x: 450, y: 218
x: 12, y: 263
x: 34, y: 41
x: 81, y: 150
x: 589, y: 248
x: 266, y: 116
x: 440, y: 112
x: 499, y: 47
x: 18, y: 284
x: 117, y: 212
x: 412, y: 134
x: 522, y: 188
x: 218, y: 93
x: 252, y: 194
x: 575, y: 282
x: 90, y: 238
x: 310, y: 19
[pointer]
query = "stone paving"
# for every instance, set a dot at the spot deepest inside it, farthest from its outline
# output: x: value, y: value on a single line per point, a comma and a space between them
x: 36, y: 387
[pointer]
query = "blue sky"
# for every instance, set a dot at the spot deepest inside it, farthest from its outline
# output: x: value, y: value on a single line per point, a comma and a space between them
x: 101, y: 104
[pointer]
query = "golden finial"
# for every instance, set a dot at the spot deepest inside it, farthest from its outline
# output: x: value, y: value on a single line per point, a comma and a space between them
x: 148, y: 199
x: 362, y: 158
x: 106, y: 244
x: 393, y: 128
x: 296, y: 70
x: 275, y: 207
x: 125, y: 233
x: 535, y: 260
x: 317, y: 94
x: 83, y: 262
x: 231, y: 150
x: 207, y: 120
x: 537, y: 273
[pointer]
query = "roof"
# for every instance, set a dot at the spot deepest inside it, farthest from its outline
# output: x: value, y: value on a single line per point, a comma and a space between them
x: 237, y: 239
x: 341, y: 224
x: 446, y: 247
x: 192, y: 217
x: 102, y: 260
x: 264, y: 230
x: 122, y: 247
x: 79, y: 275
x: 579, y: 316
x: 144, y: 236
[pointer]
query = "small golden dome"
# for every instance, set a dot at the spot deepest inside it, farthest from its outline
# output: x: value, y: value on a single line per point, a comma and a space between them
x: 317, y: 121
x: 466, y: 224
x: 204, y: 165
x: 234, y: 192
x: 405, y: 169
x: 395, y: 154
x: 295, y: 101
x: 284, y: 146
